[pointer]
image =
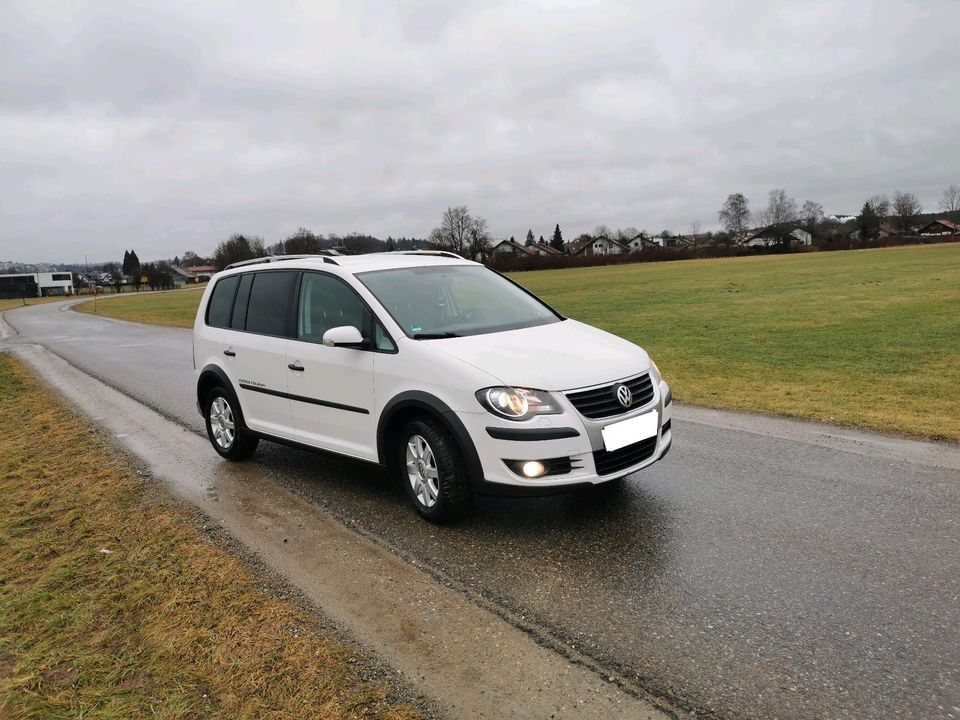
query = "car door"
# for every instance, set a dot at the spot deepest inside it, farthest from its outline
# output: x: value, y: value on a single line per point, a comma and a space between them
x: 260, y: 349
x: 331, y: 388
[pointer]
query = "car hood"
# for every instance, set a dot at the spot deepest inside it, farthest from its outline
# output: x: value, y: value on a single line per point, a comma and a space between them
x: 559, y: 356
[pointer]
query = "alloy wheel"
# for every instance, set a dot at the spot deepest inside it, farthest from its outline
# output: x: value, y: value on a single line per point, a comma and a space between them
x: 222, y: 424
x: 422, y: 471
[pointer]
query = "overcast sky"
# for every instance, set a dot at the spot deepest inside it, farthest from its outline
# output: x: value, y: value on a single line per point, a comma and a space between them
x: 164, y: 126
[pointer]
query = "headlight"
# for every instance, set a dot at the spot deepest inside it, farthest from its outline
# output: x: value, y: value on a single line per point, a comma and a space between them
x: 517, y: 403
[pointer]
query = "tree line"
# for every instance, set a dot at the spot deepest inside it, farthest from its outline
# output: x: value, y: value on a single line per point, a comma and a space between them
x: 782, y: 214
x: 468, y: 235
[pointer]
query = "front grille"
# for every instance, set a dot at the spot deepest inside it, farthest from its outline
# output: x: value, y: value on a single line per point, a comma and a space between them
x: 602, y: 402
x: 610, y: 462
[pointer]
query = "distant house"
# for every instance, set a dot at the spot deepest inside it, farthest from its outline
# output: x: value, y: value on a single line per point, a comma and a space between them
x: 544, y: 249
x: 40, y: 284
x: 939, y: 227
x: 885, y: 230
x: 512, y: 248
x: 181, y: 277
x: 641, y: 242
x: 601, y: 245
x: 765, y: 237
x: 202, y: 273
x: 694, y: 240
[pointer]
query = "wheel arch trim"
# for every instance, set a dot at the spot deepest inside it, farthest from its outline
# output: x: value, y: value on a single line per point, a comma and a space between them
x: 216, y: 372
x: 434, y: 407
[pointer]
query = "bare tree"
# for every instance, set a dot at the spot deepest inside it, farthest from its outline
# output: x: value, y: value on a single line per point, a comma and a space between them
x: 880, y: 204
x: 453, y: 231
x: 302, y: 242
x: 626, y: 234
x: 695, y: 227
x: 906, y: 207
x: 950, y: 200
x: 480, y: 245
x: 601, y: 231
x: 735, y: 216
x: 811, y: 215
x: 781, y: 215
x: 461, y: 233
x: 236, y: 248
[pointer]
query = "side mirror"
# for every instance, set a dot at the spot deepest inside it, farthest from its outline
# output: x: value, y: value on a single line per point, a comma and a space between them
x: 344, y: 336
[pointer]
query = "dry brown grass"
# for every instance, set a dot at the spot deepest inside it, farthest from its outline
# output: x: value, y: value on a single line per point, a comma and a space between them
x: 163, y: 624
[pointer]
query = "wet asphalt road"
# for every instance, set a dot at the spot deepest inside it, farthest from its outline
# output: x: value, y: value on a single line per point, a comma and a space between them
x: 744, y: 576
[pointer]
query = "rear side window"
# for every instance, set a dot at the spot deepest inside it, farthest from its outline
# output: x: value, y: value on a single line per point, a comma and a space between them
x: 239, y: 321
x: 271, y: 297
x: 221, y: 302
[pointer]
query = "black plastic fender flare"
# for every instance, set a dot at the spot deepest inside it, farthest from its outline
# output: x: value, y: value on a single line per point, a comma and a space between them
x: 215, y: 371
x: 438, y: 409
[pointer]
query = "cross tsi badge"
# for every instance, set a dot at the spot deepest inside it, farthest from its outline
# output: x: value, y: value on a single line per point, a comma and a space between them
x: 624, y: 396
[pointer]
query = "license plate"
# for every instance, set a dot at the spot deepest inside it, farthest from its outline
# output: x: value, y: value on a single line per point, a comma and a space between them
x: 626, y: 432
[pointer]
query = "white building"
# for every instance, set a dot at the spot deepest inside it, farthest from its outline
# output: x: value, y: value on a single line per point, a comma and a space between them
x: 600, y: 246
x: 765, y: 237
x: 511, y: 247
x: 41, y: 284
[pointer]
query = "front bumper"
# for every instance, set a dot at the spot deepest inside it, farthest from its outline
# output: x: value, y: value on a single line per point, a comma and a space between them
x: 567, y: 435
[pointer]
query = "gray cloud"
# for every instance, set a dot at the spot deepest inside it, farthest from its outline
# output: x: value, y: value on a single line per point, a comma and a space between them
x: 167, y: 127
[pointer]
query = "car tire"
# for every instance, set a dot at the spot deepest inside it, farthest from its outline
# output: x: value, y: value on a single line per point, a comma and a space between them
x: 433, y: 471
x: 225, y: 426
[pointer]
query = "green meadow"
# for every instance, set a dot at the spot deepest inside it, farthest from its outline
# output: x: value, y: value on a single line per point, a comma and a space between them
x: 868, y: 338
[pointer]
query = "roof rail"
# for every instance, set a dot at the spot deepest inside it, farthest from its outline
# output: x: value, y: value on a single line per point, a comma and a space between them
x: 436, y: 253
x: 278, y: 258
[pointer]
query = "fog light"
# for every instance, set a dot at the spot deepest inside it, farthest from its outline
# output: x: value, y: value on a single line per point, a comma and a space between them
x: 533, y: 469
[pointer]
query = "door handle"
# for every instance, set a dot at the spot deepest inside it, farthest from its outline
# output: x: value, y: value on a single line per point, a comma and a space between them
x: 296, y: 366
x: 229, y: 353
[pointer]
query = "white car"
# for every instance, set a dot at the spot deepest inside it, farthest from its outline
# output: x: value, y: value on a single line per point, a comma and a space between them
x: 451, y: 375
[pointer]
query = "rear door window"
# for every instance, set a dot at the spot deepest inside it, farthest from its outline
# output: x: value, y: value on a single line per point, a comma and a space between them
x: 221, y: 302
x: 239, y: 321
x: 271, y: 298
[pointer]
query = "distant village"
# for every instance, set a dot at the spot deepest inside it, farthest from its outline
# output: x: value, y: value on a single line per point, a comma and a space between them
x: 801, y: 231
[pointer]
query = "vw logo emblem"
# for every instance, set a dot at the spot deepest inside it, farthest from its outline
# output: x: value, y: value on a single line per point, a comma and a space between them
x: 624, y: 396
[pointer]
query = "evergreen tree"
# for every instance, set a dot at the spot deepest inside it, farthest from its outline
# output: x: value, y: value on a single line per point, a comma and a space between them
x: 529, y: 238
x: 125, y: 268
x: 134, y: 271
x: 868, y: 222
x: 557, y: 240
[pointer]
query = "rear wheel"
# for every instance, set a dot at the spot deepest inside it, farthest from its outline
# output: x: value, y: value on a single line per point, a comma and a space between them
x: 225, y: 429
x: 432, y: 470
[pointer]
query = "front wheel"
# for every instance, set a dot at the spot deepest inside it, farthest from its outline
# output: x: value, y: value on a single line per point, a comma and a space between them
x: 433, y: 471
x: 224, y: 428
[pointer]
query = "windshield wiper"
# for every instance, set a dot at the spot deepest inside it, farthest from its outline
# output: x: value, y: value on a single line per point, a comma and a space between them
x: 434, y: 336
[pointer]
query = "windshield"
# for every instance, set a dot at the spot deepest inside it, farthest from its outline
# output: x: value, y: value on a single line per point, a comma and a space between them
x: 447, y: 301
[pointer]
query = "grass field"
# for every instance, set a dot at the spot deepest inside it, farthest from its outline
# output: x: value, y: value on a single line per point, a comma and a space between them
x: 172, y: 307
x: 113, y: 604
x: 868, y: 338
